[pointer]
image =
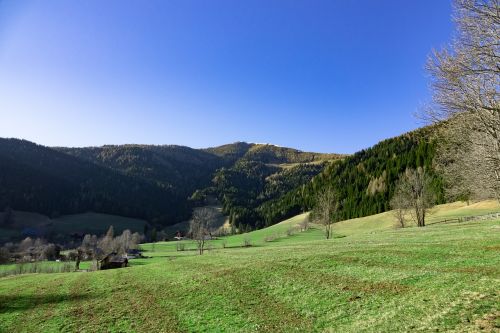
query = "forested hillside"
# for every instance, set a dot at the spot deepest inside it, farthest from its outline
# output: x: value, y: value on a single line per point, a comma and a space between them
x: 249, y: 184
x: 364, y: 181
x: 180, y: 169
x: 262, y: 172
x: 258, y: 185
x: 154, y: 183
x: 271, y: 154
x: 40, y: 179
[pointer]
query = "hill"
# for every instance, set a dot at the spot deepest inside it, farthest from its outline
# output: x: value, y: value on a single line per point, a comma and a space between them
x: 268, y: 153
x: 441, y: 277
x: 365, y: 181
x: 39, y: 179
x: 180, y: 169
x: 147, y: 182
x: 256, y: 184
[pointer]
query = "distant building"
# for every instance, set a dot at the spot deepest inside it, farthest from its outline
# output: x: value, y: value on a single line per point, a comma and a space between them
x: 113, y: 260
x: 133, y: 254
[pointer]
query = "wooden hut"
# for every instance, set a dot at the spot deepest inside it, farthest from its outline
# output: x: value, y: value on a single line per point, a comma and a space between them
x: 113, y: 260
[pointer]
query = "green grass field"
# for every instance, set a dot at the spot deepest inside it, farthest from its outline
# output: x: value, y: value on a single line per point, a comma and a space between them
x: 371, y: 278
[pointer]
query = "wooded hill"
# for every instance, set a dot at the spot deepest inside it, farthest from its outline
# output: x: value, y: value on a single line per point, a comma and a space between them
x: 154, y: 183
x: 365, y: 181
x: 44, y: 180
x: 257, y: 184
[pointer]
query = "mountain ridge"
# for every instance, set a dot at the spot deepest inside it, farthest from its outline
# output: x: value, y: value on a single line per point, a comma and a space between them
x: 150, y: 182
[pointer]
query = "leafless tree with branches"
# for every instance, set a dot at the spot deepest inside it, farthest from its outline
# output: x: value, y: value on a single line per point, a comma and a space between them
x: 465, y: 82
x: 399, y: 207
x: 414, y: 194
x: 327, y: 206
x: 200, y: 226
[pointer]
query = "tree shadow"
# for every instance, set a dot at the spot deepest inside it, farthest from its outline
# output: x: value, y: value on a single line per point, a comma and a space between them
x: 21, y: 303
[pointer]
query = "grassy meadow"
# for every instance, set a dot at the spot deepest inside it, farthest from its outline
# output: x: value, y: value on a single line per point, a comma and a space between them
x: 369, y: 278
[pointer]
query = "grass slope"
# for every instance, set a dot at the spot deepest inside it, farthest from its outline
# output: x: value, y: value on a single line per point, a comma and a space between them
x: 368, y: 224
x: 443, y: 277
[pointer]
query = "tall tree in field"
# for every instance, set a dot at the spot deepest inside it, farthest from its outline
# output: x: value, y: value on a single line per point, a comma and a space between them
x: 414, y: 193
x: 327, y: 206
x: 200, y: 226
x: 465, y: 82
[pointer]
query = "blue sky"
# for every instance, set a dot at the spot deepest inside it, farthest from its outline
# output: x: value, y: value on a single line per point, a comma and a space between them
x: 329, y: 76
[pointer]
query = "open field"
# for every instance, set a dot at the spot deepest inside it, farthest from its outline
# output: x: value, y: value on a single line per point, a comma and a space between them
x: 443, y: 277
x: 41, y: 267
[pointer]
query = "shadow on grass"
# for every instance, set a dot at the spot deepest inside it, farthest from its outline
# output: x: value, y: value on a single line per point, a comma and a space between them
x: 140, y: 263
x: 228, y: 247
x: 26, y: 302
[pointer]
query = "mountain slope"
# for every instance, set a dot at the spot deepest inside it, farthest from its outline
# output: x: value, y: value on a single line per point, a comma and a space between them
x: 257, y: 184
x: 40, y: 179
x: 364, y: 181
x: 148, y: 182
x: 179, y: 168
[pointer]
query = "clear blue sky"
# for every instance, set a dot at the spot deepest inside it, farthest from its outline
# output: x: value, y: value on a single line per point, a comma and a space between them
x: 330, y: 76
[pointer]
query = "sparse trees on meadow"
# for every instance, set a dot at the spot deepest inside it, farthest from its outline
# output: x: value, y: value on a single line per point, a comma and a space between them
x: 120, y: 244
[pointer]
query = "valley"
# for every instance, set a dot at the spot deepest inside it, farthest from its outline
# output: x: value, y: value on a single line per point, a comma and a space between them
x: 369, y: 277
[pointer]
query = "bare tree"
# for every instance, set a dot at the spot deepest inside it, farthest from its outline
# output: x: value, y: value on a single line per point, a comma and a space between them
x: 399, y: 207
x: 25, y: 244
x: 136, y: 239
x: 106, y: 243
x: 326, y: 208
x: 111, y: 232
x: 89, y: 246
x: 199, y: 226
x: 414, y: 193
x: 467, y: 173
x: 465, y: 81
x: 304, y: 224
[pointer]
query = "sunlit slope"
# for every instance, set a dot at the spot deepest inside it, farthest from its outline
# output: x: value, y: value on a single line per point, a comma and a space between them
x: 439, y: 213
x: 288, y: 231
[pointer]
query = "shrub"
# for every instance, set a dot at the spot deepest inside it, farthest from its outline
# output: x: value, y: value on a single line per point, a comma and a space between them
x: 270, y: 238
x: 247, y: 242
